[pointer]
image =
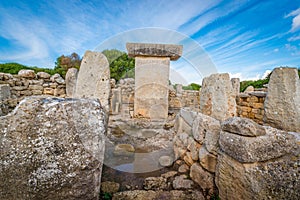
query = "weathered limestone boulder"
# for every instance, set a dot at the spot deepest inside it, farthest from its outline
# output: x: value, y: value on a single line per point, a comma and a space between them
x: 274, y: 144
x: 165, y: 161
x: 52, y: 148
x: 243, y: 126
x: 282, y: 108
x: 274, y: 179
x: 207, y: 160
x: 217, y: 98
x: 56, y: 78
x: 203, y: 178
x: 71, y: 79
x: 4, y: 92
x: 258, y: 167
x: 249, y: 89
x: 94, y: 78
x: 206, y: 130
x: 43, y: 75
x: 181, y: 182
x: 155, y: 183
x: 26, y: 73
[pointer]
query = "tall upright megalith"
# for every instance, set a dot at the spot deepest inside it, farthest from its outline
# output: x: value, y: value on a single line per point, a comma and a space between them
x: 217, y: 98
x: 152, y: 65
x: 93, y: 79
x: 71, y: 79
x: 282, y: 105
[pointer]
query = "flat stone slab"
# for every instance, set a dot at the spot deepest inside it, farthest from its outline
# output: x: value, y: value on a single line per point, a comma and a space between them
x: 172, y: 51
x: 273, y: 144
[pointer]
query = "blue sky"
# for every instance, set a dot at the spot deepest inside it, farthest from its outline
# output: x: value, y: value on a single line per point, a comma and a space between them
x: 245, y: 38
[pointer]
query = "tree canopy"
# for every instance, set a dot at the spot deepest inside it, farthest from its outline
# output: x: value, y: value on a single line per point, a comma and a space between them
x: 63, y: 63
x: 121, y: 66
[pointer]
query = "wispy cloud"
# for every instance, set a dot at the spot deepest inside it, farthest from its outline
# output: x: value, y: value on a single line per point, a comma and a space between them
x: 210, y: 16
x: 20, y: 32
x: 294, y: 38
x: 296, y: 19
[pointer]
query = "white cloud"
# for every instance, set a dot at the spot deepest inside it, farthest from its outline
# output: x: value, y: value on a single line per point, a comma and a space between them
x: 243, y: 76
x: 296, y: 19
x: 294, y: 38
x: 31, y: 44
x: 276, y: 50
x: 267, y: 72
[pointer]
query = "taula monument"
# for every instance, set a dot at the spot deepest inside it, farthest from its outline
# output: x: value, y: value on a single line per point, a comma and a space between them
x: 152, y: 66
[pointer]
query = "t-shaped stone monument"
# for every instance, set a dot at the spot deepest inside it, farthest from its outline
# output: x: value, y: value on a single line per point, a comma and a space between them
x: 152, y: 64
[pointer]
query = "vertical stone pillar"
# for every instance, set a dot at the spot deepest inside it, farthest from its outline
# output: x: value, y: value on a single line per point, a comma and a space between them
x: 152, y: 65
x: 93, y: 79
x: 282, y: 105
x: 235, y: 85
x: 71, y: 79
x: 217, y: 97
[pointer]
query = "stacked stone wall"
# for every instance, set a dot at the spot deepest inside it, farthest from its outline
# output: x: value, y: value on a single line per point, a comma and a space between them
x: 27, y: 83
x: 251, y: 105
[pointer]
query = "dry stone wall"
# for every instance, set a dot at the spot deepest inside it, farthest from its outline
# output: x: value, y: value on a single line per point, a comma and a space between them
x: 251, y: 105
x: 196, y: 144
x: 122, y: 99
x: 27, y: 83
x: 238, y: 158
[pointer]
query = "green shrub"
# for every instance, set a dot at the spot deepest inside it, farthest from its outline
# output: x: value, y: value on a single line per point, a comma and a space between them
x: 255, y: 84
x: 14, y: 68
x: 192, y: 86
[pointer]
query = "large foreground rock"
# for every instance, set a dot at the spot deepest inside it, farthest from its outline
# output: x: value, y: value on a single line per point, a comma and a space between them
x: 282, y: 105
x: 217, y: 97
x: 278, y: 179
x: 93, y: 79
x: 274, y: 144
x: 52, y: 148
x: 262, y: 167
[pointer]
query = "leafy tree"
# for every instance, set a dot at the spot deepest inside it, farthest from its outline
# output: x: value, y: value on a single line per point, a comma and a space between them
x: 63, y: 63
x: 121, y: 66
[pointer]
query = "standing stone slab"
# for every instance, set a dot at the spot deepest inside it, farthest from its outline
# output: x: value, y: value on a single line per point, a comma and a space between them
x: 236, y: 85
x: 116, y: 101
x: 151, y: 87
x: 152, y: 64
x: 71, y: 79
x: 282, y: 105
x: 52, y: 148
x: 94, y: 78
x: 217, y: 98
